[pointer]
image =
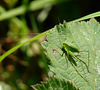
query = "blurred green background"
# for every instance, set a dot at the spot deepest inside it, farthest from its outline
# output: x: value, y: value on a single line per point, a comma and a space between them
x: 21, y: 20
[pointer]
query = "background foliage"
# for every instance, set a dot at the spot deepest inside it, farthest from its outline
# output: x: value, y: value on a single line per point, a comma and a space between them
x: 20, y: 20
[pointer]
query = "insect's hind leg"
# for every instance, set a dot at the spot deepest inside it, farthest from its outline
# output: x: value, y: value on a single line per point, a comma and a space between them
x: 78, y: 72
x: 80, y: 63
x: 87, y: 66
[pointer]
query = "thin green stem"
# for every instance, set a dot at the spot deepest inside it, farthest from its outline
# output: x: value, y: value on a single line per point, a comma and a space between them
x: 18, y: 46
x: 96, y: 14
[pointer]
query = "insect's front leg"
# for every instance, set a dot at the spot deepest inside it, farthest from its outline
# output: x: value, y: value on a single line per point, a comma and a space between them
x: 67, y: 58
x: 66, y: 55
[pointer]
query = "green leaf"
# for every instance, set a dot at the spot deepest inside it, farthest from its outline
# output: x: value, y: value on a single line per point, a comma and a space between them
x: 86, y: 36
x: 54, y: 84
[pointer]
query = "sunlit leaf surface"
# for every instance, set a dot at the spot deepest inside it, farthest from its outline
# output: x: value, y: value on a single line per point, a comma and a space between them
x: 86, y: 36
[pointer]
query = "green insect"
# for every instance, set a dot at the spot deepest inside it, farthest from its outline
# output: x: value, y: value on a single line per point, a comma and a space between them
x: 68, y: 49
